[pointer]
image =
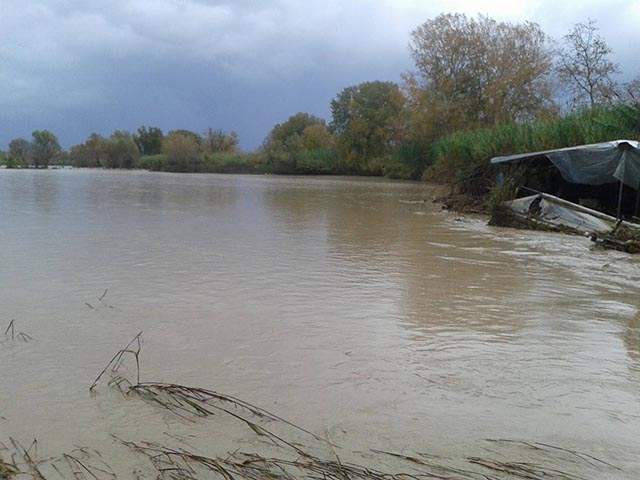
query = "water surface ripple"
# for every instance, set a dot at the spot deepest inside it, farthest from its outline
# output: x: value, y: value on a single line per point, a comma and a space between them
x: 350, y: 306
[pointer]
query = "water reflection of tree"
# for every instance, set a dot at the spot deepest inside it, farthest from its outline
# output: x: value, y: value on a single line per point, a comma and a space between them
x: 437, y: 276
x: 434, y: 276
x: 356, y: 218
x: 44, y: 190
x: 151, y: 192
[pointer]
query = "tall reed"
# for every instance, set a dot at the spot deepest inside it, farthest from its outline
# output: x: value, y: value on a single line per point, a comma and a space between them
x: 458, y: 155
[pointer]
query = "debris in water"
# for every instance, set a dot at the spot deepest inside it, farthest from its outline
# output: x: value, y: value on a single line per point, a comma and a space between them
x: 20, y: 335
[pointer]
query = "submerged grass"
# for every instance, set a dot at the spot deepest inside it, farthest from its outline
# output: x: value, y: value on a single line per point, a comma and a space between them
x: 7, y: 470
x: 78, y: 464
x: 293, y: 459
x: 288, y: 459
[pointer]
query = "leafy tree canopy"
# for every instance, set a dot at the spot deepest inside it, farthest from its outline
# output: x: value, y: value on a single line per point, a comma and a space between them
x: 184, y: 151
x: 365, y: 119
x: 119, y: 151
x: 149, y: 140
x: 293, y: 127
x: 478, y: 72
x: 44, y: 148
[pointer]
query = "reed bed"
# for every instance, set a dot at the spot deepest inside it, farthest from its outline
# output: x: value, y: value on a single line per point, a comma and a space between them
x: 462, y: 158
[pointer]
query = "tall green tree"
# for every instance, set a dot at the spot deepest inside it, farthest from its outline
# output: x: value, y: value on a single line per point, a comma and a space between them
x: 91, y: 153
x: 293, y: 127
x: 290, y: 142
x: 585, y: 67
x: 187, y: 133
x: 19, y: 152
x: 119, y: 151
x: 366, y: 121
x: 149, y: 140
x: 184, y: 151
x: 44, y: 148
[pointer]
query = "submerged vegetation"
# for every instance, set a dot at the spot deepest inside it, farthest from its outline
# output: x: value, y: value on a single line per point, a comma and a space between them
x: 286, y: 451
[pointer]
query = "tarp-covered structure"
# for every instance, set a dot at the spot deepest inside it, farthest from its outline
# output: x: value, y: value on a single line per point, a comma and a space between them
x: 595, y: 164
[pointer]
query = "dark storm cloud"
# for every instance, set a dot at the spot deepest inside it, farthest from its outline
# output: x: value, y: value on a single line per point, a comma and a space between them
x: 81, y: 66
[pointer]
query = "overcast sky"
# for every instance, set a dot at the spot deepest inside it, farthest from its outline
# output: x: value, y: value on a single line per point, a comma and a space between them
x: 82, y: 66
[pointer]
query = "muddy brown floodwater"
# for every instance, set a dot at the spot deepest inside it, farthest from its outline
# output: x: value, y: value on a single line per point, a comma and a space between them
x: 349, y: 306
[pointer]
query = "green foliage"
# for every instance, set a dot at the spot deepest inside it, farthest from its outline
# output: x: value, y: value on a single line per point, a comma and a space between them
x: 119, y: 151
x: 187, y: 133
x: 154, y: 163
x: 293, y: 127
x: 18, y: 154
x: 184, y: 151
x: 318, y: 162
x: 19, y: 151
x: 317, y: 137
x: 290, y: 145
x: 44, y: 148
x: 8, y: 470
x: 61, y: 159
x: 15, y: 162
x: 409, y: 159
x: 459, y: 156
x: 149, y: 140
x: 88, y: 154
x: 230, y: 162
x: 365, y: 120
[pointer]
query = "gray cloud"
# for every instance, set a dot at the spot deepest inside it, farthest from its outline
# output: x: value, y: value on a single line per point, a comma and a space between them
x: 82, y: 66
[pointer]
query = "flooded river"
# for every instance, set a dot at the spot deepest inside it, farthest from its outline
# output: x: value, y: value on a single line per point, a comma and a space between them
x: 350, y: 306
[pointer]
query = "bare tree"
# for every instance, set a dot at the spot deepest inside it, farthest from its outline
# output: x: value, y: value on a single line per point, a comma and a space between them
x: 583, y: 65
x: 218, y: 141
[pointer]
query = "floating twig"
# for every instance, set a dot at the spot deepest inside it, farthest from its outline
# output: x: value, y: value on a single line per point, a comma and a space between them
x: 31, y: 464
x: 24, y: 337
x: 10, y: 327
x: 20, y: 336
x: 101, y: 299
x: 117, y: 359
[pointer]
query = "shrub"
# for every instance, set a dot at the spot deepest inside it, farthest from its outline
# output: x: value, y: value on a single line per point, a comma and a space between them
x: 156, y: 163
x: 317, y: 162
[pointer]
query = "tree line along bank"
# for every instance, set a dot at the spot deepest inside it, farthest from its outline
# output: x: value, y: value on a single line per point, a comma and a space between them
x: 480, y: 88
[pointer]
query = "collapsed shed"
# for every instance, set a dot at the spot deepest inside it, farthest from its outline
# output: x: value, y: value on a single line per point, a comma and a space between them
x: 586, y: 189
x: 604, y: 164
